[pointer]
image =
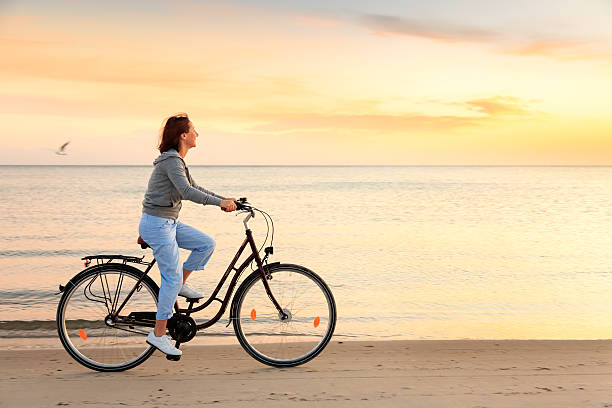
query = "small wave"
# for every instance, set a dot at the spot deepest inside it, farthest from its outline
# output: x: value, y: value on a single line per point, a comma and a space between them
x: 12, y: 238
x: 27, y: 298
x: 34, y: 253
x: 27, y: 325
x: 40, y: 253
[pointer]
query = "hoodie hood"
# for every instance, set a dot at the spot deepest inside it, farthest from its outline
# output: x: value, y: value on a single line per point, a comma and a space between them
x: 166, y: 155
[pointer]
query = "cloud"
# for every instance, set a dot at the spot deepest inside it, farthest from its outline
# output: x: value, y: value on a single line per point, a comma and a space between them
x: 563, y: 50
x: 319, y: 21
x: 498, y: 106
x: 120, y: 70
x: 79, y: 107
x: 505, y: 40
x: 385, y: 25
x: 374, y: 122
x: 478, y: 112
x: 21, y: 42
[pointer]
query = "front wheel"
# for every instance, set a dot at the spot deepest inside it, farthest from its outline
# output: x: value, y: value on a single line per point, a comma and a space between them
x: 295, y: 336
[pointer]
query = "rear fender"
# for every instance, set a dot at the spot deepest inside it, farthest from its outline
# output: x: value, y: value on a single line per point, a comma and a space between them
x: 75, y: 278
x: 62, y: 288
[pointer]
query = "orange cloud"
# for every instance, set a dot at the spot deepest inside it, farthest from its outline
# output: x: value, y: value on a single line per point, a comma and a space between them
x: 498, y: 106
x: 23, y: 42
x: 488, y: 110
x: 374, y: 122
x: 133, y: 71
x: 563, y: 50
x: 544, y: 47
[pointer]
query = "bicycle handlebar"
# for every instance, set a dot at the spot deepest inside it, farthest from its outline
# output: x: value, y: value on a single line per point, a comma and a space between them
x: 242, y: 204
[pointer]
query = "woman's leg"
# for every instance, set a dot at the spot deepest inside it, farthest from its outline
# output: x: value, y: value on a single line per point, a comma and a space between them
x: 160, y: 234
x: 186, y: 274
x: 160, y: 327
x: 201, y: 245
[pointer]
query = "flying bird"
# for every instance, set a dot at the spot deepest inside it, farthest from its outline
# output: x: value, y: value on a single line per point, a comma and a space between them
x: 62, y: 150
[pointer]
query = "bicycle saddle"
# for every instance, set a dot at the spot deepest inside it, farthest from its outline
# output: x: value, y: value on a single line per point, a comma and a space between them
x: 142, y: 243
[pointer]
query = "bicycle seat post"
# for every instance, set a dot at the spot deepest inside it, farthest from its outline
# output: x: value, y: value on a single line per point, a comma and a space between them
x: 191, y: 302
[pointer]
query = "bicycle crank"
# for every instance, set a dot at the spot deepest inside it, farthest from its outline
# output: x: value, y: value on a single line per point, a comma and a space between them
x: 182, y: 328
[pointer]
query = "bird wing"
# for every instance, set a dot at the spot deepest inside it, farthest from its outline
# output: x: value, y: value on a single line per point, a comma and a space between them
x: 62, y: 147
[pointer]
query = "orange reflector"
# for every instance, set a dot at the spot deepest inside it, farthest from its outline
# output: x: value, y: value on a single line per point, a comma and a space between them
x: 316, y: 322
x: 82, y: 334
x: 253, y: 315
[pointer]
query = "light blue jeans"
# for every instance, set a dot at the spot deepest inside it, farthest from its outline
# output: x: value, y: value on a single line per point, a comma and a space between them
x: 165, y: 236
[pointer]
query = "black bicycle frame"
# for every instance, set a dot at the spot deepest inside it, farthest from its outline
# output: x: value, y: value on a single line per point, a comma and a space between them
x: 254, y: 256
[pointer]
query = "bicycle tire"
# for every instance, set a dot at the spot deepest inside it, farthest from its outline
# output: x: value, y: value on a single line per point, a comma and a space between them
x: 260, y: 328
x: 77, y: 310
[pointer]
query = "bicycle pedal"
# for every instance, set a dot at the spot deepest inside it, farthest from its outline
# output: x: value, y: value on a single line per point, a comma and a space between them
x: 172, y: 358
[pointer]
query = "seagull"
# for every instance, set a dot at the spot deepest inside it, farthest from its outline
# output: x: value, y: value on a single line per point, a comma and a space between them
x: 62, y: 150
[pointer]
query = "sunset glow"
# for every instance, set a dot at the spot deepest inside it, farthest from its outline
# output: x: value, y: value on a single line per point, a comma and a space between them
x: 327, y: 83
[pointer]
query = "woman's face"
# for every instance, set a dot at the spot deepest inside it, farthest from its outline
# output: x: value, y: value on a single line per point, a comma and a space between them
x: 190, y: 137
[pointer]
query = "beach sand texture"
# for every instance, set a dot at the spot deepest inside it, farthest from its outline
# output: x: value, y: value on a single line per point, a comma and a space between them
x: 428, y: 373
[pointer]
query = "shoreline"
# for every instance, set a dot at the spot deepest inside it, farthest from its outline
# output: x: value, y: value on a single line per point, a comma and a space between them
x: 52, y: 341
x: 432, y: 373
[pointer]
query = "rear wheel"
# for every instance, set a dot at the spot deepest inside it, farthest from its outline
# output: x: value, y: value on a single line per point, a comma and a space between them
x: 304, y: 330
x: 83, y: 322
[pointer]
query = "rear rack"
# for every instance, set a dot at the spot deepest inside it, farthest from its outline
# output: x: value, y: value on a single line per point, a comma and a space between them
x: 106, y: 259
x: 102, y: 259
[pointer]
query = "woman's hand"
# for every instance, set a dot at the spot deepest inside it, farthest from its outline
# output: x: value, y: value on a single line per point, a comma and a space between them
x: 228, y: 204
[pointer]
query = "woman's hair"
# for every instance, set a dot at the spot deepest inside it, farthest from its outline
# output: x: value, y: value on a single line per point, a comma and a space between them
x: 171, y: 131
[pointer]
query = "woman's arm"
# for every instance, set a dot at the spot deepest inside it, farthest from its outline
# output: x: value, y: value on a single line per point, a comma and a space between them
x: 202, y: 189
x: 175, y: 169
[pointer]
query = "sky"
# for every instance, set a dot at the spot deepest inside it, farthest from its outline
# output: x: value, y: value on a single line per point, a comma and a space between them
x: 309, y: 83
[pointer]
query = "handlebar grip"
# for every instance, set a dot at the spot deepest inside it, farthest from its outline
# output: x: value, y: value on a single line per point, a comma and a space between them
x: 239, y: 203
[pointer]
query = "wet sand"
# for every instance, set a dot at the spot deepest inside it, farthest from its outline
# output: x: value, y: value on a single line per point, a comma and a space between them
x: 459, y: 373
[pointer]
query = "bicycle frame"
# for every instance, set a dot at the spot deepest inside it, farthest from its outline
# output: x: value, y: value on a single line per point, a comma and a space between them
x: 254, y: 256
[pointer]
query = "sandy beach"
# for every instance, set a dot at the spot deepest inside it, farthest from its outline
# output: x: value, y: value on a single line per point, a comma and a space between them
x: 470, y: 373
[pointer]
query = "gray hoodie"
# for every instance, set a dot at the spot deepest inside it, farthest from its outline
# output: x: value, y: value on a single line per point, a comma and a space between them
x: 170, y: 183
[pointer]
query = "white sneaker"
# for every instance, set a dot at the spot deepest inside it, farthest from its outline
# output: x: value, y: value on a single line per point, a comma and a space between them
x: 189, y: 293
x: 163, y: 344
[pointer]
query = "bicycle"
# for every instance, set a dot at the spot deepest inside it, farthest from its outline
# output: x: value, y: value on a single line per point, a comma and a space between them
x: 283, y: 314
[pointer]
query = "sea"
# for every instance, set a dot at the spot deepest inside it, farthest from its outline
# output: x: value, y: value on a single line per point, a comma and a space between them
x: 413, y: 252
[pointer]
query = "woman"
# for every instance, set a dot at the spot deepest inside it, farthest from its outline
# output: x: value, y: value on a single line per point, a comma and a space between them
x: 170, y: 183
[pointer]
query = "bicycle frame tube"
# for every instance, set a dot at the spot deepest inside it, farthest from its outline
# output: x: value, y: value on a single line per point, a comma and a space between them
x: 230, y: 290
x: 264, y: 278
x: 115, y: 314
x: 254, y: 256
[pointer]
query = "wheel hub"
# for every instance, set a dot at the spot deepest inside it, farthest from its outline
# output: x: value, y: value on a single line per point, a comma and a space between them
x: 108, y: 320
x: 287, y: 317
